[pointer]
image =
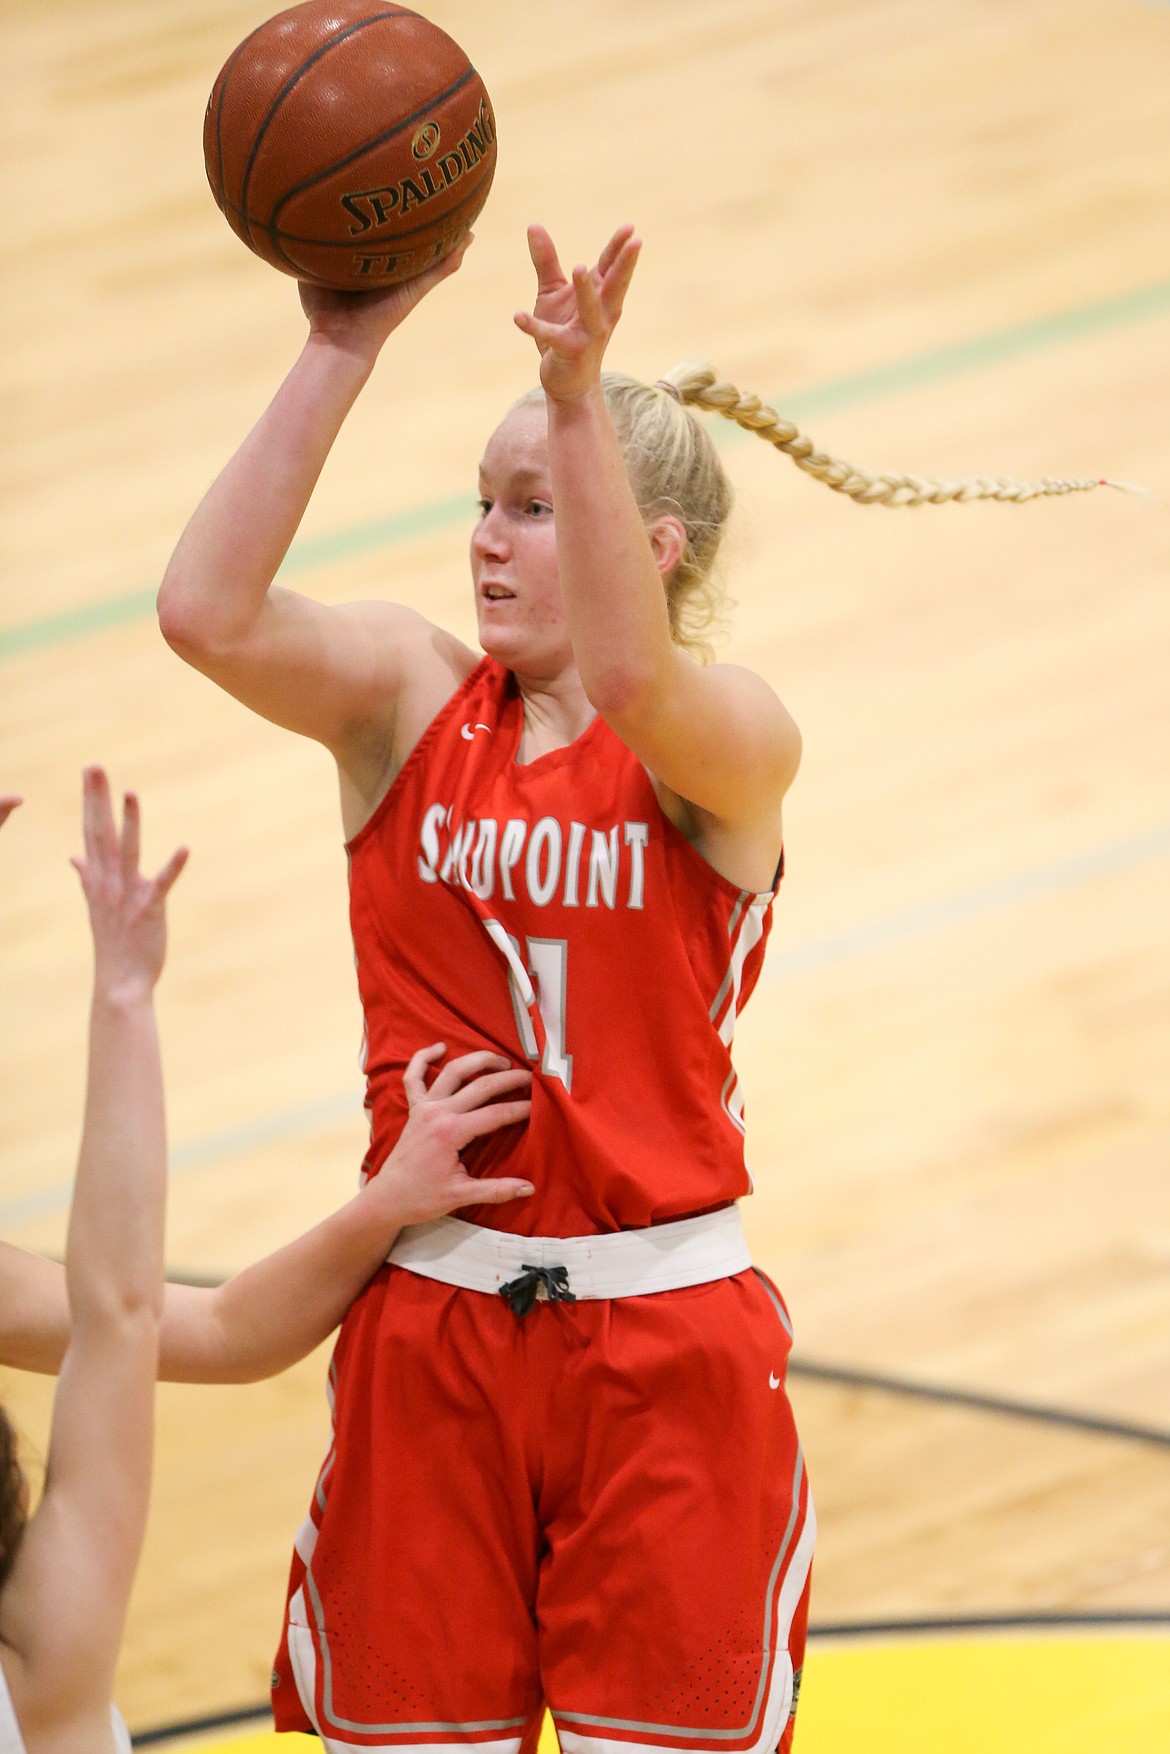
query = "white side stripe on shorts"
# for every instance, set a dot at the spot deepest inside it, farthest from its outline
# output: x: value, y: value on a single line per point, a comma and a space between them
x: 303, y: 1657
x: 785, y: 1588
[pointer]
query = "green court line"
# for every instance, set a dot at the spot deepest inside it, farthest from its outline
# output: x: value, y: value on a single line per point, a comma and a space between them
x: 916, y: 371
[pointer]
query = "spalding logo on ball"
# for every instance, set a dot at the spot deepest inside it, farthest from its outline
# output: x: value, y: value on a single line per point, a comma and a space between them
x: 351, y: 144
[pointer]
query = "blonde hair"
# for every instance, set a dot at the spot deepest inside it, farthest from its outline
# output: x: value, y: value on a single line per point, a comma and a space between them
x: 675, y: 470
x: 698, y: 386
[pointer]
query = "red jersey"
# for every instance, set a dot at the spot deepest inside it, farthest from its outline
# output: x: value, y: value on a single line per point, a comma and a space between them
x: 551, y: 912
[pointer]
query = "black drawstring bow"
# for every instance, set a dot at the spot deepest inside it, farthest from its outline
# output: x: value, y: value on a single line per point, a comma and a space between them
x: 520, y: 1294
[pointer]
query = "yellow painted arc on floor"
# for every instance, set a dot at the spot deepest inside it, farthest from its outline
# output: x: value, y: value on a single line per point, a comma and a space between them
x: 1025, y: 1695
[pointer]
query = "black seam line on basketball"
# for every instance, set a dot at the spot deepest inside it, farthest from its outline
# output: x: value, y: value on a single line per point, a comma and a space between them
x: 295, y: 78
x: 226, y: 1720
x: 1040, y: 1621
x: 439, y: 97
x: 1068, y: 1417
x: 277, y: 238
x: 389, y: 244
x: 221, y: 196
x: 227, y: 73
x: 291, y: 237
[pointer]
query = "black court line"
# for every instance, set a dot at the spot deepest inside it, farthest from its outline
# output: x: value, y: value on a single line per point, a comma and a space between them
x: 252, y: 1714
x: 942, y: 1394
x: 197, y: 1726
x: 1068, y: 1417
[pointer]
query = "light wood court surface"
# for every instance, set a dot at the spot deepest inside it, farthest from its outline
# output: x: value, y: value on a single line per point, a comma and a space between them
x: 936, y: 232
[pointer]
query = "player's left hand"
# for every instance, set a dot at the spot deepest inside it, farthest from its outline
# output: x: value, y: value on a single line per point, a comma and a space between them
x: 574, y: 316
x: 8, y: 804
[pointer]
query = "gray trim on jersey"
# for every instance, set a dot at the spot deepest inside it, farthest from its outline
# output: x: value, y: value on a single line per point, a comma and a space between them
x: 745, y: 896
x: 319, y: 1493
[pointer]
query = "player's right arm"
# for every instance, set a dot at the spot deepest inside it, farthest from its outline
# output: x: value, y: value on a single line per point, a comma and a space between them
x: 331, y: 673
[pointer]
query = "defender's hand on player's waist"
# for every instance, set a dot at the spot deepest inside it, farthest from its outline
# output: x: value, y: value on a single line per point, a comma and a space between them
x: 423, y: 1176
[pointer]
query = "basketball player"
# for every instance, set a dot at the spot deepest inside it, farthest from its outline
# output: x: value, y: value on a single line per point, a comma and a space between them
x: 66, y: 1572
x: 564, y: 1466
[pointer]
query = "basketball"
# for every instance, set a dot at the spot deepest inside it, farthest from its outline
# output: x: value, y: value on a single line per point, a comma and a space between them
x: 350, y: 143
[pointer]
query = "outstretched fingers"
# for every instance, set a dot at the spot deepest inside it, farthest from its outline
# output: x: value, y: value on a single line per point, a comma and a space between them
x: 97, y: 818
x: 549, y: 273
x: 545, y: 335
x: 617, y: 276
x: 589, y: 305
x: 614, y: 247
x: 130, y: 844
x: 165, y: 880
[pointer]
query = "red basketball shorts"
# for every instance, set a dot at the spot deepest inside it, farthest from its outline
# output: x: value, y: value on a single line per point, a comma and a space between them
x: 601, y: 1506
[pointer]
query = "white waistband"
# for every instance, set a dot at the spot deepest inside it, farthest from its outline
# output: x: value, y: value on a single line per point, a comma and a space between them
x: 622, y: 1263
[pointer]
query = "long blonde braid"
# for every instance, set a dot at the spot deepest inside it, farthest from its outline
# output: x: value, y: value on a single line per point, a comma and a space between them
x: 699, y: 387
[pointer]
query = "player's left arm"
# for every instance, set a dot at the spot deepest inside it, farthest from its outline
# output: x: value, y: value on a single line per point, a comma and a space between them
x: 718, y: 735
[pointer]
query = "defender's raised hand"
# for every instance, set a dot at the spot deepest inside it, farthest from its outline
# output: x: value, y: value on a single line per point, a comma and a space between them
x: 574, y: 316
x: 127, y: 911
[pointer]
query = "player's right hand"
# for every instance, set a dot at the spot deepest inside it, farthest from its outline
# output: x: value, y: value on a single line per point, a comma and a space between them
x: 361, y: 321
x: 423, y: 1177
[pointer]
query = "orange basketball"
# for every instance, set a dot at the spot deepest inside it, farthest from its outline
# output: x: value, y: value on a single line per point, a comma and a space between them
x: 349, y: 142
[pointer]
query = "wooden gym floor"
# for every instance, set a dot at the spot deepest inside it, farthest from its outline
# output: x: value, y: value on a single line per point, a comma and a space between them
x: 935, y: 232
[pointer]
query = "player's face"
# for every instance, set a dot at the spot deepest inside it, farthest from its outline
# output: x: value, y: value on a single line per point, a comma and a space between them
x: 514, y: 550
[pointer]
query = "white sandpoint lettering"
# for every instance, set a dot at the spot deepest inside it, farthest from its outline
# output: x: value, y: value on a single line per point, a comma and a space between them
x: 573, y: 863
x: 428, y: 864
x: 637, y: 839
x: 511, y: 846
x: 603, y: 868
x: 533, y: 863
x: 483, y: 859
x: 546, y: 834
